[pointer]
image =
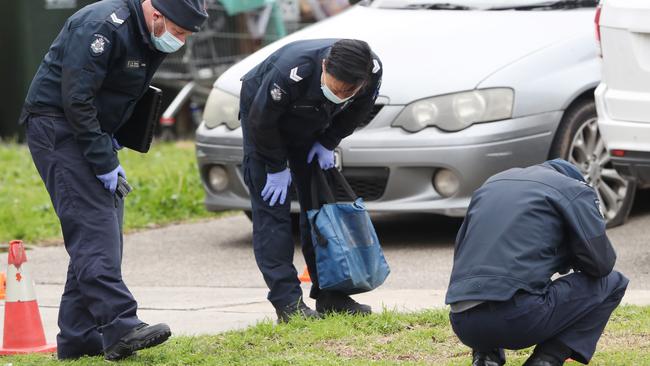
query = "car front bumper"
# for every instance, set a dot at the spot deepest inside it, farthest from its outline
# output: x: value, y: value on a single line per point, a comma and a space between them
x: 393, y: 168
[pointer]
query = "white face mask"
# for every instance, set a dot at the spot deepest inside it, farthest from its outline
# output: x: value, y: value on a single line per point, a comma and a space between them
x: 166, y: 42
x: 329, y: 94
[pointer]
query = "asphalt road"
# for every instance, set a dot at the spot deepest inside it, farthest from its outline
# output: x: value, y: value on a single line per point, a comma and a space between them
x: 218, y: 253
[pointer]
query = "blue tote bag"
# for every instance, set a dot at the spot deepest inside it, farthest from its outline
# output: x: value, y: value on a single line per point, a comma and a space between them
x: 349, y: 257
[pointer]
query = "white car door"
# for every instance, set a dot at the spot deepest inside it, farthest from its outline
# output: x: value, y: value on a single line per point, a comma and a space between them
x: 623, y: 97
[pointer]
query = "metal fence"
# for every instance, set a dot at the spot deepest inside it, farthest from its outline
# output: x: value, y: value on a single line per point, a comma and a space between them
x: 223, y: 41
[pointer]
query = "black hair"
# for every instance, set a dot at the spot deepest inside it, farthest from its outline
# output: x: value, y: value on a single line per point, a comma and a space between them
x: 350, y: 61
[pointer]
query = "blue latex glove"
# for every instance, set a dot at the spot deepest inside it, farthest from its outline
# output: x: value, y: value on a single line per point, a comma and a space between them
x: 110, y: 179
x: 116, y: 145
x: 325, y: 157
x: 277, y: 185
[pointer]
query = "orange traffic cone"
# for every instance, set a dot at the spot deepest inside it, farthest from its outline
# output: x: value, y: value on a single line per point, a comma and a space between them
x: 304, y: 277
x: 3, y: 285
x: 23, y: 331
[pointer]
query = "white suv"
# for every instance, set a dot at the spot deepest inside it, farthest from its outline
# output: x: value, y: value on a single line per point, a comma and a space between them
x: 623, y: 96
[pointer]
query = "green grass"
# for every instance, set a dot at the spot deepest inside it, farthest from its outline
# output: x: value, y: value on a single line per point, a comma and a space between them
x: 388, y: 338
x: 166, y: 187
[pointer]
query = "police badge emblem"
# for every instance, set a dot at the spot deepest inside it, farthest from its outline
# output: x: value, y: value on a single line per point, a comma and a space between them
x: 276, y: 94
x: 98, y: 45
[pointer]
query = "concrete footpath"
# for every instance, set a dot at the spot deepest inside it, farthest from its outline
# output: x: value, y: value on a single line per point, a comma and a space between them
x: 207, y: 310
x: 201, y: 277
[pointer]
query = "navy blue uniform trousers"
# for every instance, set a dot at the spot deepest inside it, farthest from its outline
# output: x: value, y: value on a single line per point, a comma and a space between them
x: 574, y: 312
x: 272, y: 230
x: 96, y: 306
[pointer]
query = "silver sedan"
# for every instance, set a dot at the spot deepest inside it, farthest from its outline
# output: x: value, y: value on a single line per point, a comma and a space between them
x: 469, y: 89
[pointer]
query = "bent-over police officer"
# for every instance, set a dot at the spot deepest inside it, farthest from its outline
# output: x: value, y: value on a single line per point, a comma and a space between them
x: 295, y: 108
x: 86, y: 87
x: 522, y: 227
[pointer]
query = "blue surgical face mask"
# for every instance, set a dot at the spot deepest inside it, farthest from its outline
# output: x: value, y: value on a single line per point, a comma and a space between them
x: 166, y: 42
x: 330, y: 95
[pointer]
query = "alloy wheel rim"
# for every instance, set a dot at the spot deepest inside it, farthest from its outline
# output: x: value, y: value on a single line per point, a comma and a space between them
x: 589, y: 153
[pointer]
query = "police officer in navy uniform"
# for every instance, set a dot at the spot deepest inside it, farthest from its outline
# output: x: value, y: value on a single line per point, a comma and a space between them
x: 97, y: 68
x: 295, y: 108
x: 522, y: 227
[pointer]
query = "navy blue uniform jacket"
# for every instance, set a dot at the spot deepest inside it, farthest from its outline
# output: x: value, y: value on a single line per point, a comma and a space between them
x: 283, y: 104
x: 523, y: 226
x: 97, y: 68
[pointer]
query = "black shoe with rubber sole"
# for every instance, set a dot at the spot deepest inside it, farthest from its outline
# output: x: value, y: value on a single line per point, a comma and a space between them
x: 494, y: 358
x: 141, y: 337
x: 336, y: 302
x: 299, y: 309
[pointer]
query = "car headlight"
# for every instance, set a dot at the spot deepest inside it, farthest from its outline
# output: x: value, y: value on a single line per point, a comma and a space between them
x: 221, y: 108
x: 454, y: 112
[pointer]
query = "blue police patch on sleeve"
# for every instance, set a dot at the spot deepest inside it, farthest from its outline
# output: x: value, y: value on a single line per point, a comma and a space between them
x: 98, y: 44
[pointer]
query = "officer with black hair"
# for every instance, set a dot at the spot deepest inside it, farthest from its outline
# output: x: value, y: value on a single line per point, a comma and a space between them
x: 296, y: 106
x: 522, y: 227
x: 85, y: 89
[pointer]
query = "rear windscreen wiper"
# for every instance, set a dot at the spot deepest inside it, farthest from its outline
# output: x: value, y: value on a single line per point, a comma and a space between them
x: 439, y: 6
x: 551, y: 5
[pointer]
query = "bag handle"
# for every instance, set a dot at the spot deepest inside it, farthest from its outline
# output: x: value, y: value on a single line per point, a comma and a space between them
x: 319, y: 187
x: 340, y: 179
x: 318, y: 179
x: 319, y: 184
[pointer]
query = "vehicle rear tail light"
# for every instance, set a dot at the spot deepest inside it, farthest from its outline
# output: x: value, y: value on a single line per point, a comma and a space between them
x: 167, y: 121
x: 597, y: 23
x: 618, y: 153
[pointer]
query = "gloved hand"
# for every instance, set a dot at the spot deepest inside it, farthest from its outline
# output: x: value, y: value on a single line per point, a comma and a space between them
x: 325, y: 157
x: 110, y: 179
x: 116, y: 145
x: 277, y: 185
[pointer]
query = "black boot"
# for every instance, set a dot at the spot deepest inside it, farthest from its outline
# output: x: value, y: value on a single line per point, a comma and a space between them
x: 549, y: 353
x: 492, y: 358
x: 298, y: 309
x: 141, y: 337
x: 336, y: 302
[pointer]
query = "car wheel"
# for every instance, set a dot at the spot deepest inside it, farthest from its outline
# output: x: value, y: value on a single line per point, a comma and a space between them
x: 579, y: 141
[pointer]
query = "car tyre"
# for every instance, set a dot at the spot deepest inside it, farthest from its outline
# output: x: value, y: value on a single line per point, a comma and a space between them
x: 578, y: 140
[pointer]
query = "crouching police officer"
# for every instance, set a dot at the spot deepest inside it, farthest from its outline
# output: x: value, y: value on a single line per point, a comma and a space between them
x: 98, y: 67
x: 522, y: 227
x: 297, y: 106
